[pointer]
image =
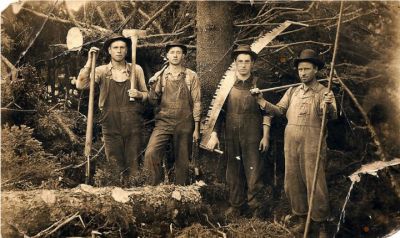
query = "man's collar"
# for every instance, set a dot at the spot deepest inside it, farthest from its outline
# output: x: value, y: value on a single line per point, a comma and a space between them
x: 168, y: 70
x: 110, y: 66
x: 313, y: 87
x: 248, y: 80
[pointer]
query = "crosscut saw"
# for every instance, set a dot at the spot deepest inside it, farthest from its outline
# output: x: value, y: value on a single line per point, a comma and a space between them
x: 228, y: 80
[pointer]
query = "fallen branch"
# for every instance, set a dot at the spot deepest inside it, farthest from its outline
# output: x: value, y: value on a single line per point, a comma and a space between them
x: 47, y: 232
x: 71, y: 135
x: 372, y: 168
x: 13, y: 69
x: 18, y: 110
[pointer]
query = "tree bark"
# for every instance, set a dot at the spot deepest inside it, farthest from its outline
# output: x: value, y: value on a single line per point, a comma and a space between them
x: 213, y: 57
x: 30, y: 212
x: 214, y: 44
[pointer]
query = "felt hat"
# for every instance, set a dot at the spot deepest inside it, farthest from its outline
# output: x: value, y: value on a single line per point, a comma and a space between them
x: 116, y: 37
x: 246, y: 49
x: 309, y: 55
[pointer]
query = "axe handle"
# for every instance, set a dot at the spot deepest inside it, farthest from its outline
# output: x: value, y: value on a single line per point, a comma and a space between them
x: 89, y: 126
x: 134, y: 39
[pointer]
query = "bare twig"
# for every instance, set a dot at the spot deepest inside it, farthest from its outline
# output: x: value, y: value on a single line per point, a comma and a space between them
x: 17, y: 110
x: 57, y: 19
x: 156, y: 14
x: 91, y: 159
x: 266, y: 13
x: 162, y: 35
x: 154, y: 23
x: 118, y: 10
x: 37, y: 33
x: 161, y: 45
x: 103, y: 18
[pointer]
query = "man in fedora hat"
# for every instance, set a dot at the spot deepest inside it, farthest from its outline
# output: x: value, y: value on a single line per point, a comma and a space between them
x: 121, y: 119
x: 175, y: 90
x: 303, y: 108
x: 246, y: 138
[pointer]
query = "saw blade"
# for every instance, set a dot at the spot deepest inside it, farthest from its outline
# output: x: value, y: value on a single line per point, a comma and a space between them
x: 228, y: 80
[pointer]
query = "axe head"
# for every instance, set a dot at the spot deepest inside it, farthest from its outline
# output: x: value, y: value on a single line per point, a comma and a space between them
x: 134, y: 33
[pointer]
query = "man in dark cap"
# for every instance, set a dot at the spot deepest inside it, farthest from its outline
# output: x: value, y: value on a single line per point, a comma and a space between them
x: 246, y: 138
x: 303, y: 107
x: 121, y: 118
x: 176, y: 91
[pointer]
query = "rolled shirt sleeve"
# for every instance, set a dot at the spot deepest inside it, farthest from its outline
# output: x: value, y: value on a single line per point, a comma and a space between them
x: 83, y: 80
x: 141, y: 86
x: 281, y: 107
x: 196, y: 97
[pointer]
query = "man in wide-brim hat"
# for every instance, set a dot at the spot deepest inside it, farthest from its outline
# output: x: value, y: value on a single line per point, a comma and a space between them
x: 175, y: 90
x: 121, y: 119
x: 303, y: 106
x: 246, y: 138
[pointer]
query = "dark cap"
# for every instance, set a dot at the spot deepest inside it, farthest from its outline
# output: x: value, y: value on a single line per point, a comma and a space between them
x: 176, y: 43
x: 309, y: 55
x: 244, y: 49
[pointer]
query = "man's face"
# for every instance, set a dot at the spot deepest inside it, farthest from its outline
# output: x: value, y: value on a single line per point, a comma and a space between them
x: 243, y: 64
x: 118, y: 50
x: 175, y: 55
x: 307, y: 72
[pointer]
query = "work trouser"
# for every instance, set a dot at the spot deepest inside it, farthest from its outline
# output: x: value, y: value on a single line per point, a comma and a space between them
x: 301, y: 143
x: 181, y: 138
x: 122, y: 133
x: 244, y: 163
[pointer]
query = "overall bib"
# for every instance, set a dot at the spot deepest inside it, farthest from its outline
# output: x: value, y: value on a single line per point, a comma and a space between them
x: 243, y: 135
x: 174, y: 122
x: 301, y: 143
x: 122, y: 127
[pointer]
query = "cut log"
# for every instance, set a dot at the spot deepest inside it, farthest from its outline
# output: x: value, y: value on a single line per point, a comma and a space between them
x: 29, y: 212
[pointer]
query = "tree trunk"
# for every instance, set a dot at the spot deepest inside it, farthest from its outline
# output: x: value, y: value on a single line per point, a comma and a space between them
x: 214, y: 45
x: 29, y: 212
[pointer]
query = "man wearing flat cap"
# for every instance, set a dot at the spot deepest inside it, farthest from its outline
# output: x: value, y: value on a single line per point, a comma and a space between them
x: 246, y: 138
x: 303, y: 107
x: 175, y: 90
x: 121, y: 119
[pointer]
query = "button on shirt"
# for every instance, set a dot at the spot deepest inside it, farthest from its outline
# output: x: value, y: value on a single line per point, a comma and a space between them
x: 303, y: 105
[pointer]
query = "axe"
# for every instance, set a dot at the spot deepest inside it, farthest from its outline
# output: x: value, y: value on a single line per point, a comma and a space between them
x: 134, y: 34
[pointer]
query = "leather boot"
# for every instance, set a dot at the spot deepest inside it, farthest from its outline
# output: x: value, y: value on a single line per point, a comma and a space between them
x: 300, y: 226
x: 323, y: 232
x: 318, y: 230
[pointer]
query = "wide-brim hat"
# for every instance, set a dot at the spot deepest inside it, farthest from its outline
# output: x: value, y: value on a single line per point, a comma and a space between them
x: 309, y: 55
x: 244, y: 49
x: 116, y: 37
x: 176, y: 43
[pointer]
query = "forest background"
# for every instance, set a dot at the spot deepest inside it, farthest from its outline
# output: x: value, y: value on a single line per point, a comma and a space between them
x: 43, y: 116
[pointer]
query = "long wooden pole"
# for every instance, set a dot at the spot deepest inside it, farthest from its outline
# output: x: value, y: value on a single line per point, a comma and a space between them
x: 89, y: 126
x: 323, y: 126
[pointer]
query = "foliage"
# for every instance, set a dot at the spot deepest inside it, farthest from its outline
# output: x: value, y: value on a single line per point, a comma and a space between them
x: 24, y: 163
